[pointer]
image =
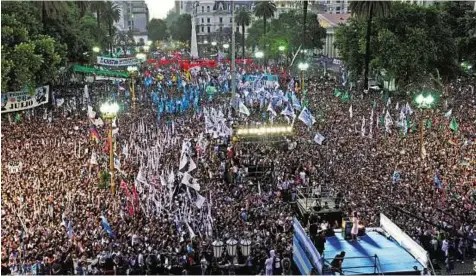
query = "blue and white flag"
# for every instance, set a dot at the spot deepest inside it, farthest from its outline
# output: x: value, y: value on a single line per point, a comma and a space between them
x: 396, y: 177
x: 106, y: 226
x: 319, y: 138
x: 306, y: 117
x: 438, y: 183
x: 288, y: 112
x: 270, y: 109
x: 296, y: 103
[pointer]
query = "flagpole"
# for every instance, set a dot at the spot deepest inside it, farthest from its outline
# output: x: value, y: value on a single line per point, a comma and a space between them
x: 233, y: 65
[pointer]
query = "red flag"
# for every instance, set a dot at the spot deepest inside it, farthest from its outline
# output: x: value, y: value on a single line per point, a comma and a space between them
x: 124, y: 187
x: 136, y: 196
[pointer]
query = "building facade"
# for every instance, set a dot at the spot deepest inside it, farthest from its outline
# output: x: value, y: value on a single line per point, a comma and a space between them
x: 213, y: 19
x: 330, y: 22
x: 134, y: 17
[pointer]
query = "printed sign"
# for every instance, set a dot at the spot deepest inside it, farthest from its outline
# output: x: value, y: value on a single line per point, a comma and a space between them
x: 17, y: 101
x: 117, y: 61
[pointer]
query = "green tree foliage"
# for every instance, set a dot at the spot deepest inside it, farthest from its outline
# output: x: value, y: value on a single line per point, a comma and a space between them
x: 409, y: 43
x: 243, y: 19
x: 287, y: 31
x: 157, y: 29
x: 367, y: 10
x: 181, y: 29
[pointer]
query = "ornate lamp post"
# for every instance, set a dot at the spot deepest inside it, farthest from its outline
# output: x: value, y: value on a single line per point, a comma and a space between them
x: 109, y: 112
x: 303, y: 66
x: 423, y: 102
x: 132, y: 72
x: 245, y: 246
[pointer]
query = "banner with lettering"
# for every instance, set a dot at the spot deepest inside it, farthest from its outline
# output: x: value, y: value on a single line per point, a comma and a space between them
x: 21, y: 100
x: 117, y: 61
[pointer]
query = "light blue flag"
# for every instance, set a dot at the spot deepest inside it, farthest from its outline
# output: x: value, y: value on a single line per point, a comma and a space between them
x: 106, y: 226
x: 306, y: 117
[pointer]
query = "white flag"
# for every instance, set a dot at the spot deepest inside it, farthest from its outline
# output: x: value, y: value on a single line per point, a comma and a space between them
x: 350, y: 111
x: 319, y: 138
x: 371, y: 122
x: 91, y: 113
x: 389, y: 101
x: 243, y: 109
x: 98, y: 122
x: 362, y: 129
x: 408, y: 109
x: 270, y: 109
x: 388, y: 122
x: 448, y: 114
x: 200, y: 200
x: 94, y: 159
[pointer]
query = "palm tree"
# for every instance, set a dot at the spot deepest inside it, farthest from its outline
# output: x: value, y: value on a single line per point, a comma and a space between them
x: 304, y: 21
x: 51, y: 9
x: 112, y: 14
x: 98, y: 7
x: 265, y: 9
x: 243, y: 18
x: 82, y: 7
x: 368, y: 10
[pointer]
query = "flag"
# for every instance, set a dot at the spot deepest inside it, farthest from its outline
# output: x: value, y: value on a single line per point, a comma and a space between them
x: 448, y: 114
x: 388, y: 122
x: 345, y: 97
x: 270, y: 109
x: 371, y: 123
x: 243, y: 109
x: 362, y: 129
x: 306, y: 117
x: 296, y: 103
x: 94, y: 133
x: 93, y: 160
x: 319, y: 138
x: 454, y: 125
x: 437, y: 180
x: 106, y: 226
x: 17, y: 117
x: 69, y: 229
x: 428, y: 123
x: 408, y: 109
x: 396, y: 177
x: 91, y: 113
x: 350, y: 111
x: 337, y: 93
x: 389, y: 102
x: 59, y: 102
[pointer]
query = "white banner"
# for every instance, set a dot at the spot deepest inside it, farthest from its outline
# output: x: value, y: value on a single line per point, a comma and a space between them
x: 100, y: 78
x: 15, y: 168
x: 21, y: 100
x: 117, y: 61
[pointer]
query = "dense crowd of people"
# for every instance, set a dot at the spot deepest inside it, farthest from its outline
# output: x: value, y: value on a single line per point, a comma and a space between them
x: 184, y: 182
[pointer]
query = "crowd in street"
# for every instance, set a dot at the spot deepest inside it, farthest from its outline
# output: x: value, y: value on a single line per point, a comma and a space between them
x: 181, y: 185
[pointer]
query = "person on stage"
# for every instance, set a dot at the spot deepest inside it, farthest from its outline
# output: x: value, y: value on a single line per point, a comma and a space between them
x: 355, y: 227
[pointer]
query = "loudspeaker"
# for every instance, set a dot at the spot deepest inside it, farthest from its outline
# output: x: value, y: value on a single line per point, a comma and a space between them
x: 347, y: 228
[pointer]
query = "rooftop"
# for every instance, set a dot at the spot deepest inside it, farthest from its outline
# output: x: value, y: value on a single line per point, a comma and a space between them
x: 328, y: 20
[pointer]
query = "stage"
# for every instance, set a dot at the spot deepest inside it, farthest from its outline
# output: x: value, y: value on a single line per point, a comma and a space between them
x: 360, y: 256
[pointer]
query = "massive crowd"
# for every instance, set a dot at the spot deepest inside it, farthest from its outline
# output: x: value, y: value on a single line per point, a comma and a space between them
x: 183, y: 185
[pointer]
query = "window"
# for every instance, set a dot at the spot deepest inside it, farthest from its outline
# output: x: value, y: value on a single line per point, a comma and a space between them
x: 337, y: 8
x: 203, y: 21
x: 203, y: 28
x: 208, y: 29
x: 208, y: 8
x: 203, y: 9
x: 221, y: 19
x: 230, y: 20
x: 208, y: 20
x: 221, y: 29
x: 237, y: 29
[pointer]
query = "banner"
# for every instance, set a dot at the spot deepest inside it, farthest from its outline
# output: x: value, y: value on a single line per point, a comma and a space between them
x: 15, y: 168
x: 21, y: 100
x: 117, y: 61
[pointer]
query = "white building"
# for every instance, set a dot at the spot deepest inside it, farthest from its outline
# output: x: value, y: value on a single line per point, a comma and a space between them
x: 214, y: 19
x: 330, y: 22
x: 134, y: 17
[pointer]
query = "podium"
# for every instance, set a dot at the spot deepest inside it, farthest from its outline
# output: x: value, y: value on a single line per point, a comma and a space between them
x: 347, y: 228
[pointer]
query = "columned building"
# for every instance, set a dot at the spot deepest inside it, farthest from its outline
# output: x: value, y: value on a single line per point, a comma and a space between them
x: 330, y: 22
x: 134, y: 17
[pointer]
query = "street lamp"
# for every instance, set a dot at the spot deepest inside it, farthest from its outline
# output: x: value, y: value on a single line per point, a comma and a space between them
x: 231, y: 247
x: 303, y: 66
x: 259, y: 54
x: 132, y: 72
x: 214, y: 43
x: 423, y: 102
x: 148, y: 43
x: 226, y: 45
x: 109, y: 112
x: 96, y: 49
x: 205, y: 42
x: 245, y: 247
x: 281, y: 48
x: 141, y: 56
x: 217, y: 249
x: 146, y: 48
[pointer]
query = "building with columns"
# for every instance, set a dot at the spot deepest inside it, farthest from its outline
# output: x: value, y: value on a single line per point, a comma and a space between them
x: 134, y: 17
x: 330, y: 22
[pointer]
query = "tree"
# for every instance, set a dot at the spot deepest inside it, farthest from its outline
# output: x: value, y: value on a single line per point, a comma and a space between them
x: 98, y: 8
x: 157, y: 29
x: 171, y: 18
x: 181, y: 30
x: 83, y: 7
x: 111, y: 15
x: 243, y: 18
x: 51, y: 9
x: 367, y: 10
x: 265, y: 10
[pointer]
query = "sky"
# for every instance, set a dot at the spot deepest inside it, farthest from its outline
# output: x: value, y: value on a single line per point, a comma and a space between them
x: 159, y: 8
